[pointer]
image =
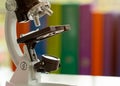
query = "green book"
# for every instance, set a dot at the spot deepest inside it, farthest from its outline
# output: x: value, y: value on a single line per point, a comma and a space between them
x: 69, y: 49
x: 54, y: 43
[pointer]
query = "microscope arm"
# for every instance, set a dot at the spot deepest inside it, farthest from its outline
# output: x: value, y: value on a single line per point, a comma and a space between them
x: 10, y: 34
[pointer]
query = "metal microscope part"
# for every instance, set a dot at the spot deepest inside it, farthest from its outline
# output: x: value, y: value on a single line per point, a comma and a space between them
x: 39, y: 10
x: 47, y: 64
x: 41, y: 34
x: 26, y: 10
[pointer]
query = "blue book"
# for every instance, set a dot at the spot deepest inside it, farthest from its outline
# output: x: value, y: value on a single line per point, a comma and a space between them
x: 40, y: 47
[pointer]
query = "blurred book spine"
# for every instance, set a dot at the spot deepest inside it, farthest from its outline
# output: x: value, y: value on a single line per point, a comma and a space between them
x: 114, y: 45
x: 69, y: 51
x: 97, y: 44
x: 54, y: 43
x: 118, y: 46
x: 108, y: 41
x: 85, y: 39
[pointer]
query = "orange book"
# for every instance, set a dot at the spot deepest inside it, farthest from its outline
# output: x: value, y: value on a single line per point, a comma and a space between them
x: 21, y: 28
x: 97, y: 44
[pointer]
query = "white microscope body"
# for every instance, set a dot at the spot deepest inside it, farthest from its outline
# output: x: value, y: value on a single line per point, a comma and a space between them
x: 27, y: 63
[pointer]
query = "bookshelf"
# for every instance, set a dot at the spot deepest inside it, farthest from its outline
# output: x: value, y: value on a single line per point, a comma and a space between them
x: 97, y: 6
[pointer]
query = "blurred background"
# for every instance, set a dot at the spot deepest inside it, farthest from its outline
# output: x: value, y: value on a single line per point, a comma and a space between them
x: 91, y: 47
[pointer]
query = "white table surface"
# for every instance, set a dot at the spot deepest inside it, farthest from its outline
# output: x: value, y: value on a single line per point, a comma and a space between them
x: 79, y: 80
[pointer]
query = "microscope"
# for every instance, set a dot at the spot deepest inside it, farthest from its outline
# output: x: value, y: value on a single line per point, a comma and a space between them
x: 27, y: 63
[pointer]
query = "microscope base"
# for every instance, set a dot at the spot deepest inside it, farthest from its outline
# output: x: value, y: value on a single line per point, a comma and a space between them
x: 26, y: 76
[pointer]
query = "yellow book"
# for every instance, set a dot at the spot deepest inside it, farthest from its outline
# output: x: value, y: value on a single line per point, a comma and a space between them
x: 53, y: 45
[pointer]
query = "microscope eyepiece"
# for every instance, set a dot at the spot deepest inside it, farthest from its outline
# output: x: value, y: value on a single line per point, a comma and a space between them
x: 26, y: 10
